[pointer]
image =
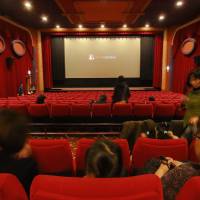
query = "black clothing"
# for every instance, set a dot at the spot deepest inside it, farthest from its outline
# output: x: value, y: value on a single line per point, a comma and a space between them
x: 24, y: 169
x: 121, y: 92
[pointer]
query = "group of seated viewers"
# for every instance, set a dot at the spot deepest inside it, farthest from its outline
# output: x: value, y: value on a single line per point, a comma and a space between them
x: 104, y: 157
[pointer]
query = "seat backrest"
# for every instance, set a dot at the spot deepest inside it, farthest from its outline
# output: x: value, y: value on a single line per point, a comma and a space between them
x: 53, y: 156
x: 21, y: 108
x: 65, y: 188
x: 101, y: 110
x: 124, y: 109
x: 191, y: 190
x: 146, y: 149
x: 11, y: 188
x: 143, y: 110
x: 80, y: 110
x: 38, y: 110
x: 84, y: 145
x: 164, y: 110
x: 59, y: 110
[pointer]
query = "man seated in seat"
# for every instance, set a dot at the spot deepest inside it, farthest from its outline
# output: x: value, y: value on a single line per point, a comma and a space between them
x: 104, y: 160
x: 15, y: 153
x: 121, y: 91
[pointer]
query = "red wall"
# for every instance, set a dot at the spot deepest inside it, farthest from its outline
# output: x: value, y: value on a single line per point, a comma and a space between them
x: 10, y: 78
x: 182, y: 65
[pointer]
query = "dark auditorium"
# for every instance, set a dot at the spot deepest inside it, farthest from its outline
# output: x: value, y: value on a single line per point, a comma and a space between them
x: 99, y: 99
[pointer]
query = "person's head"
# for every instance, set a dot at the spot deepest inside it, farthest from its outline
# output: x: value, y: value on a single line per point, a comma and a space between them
x: 162, y: 130
x: 103, y: 98
x: 13, y: 129
x: 151, y: 98
x: 40, y: 99
x: 121, y: 79
x: 193, y: 79
x: 104, y: 159
x: 148, y: 127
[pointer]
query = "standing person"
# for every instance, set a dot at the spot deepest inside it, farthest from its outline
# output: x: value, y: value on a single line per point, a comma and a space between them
x: 121, y: 91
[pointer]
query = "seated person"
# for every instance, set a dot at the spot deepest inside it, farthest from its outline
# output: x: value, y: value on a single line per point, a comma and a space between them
x: 15, y: 153
x: 104, y: 160
x: 41, y: 99
x: 102, y: 99
x: 173, y: 174
x: 121, y: 91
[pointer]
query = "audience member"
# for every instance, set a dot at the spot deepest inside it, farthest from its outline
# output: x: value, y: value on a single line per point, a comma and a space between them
x: 15, y: 153
x: 41, y: 99
x: 104, y: 159
x: 121, y: 91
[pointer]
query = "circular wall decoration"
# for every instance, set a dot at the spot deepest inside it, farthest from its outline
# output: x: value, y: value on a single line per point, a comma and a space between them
x: 188, y: 46
x: 18, y: 47
x: 2, y: 45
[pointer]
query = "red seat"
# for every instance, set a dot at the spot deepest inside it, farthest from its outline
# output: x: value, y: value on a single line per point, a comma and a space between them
x: 164, y: 111
x: 180, y: 112
x: 146, y: 187
x: 80, y: 110
x: 84, y: 144
x: 191, y: 190
x: 19, y: 108
x: 53, y: 156
x: 11, y: 188
x: 146, y: 148
x: 59, y: 110
x: 101, y: 110
x: 121, y: 110
x: 143, y: 110
x: 38, y: 110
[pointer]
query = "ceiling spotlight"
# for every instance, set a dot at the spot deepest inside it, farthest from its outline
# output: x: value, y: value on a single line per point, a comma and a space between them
x: 147, y: 25
x: 28, y: 5
x: 44, y: 18
x: 102, y: 26
x: 80, y: 26
x: 125, y: 26
x: 161, y: 17
x: 179, y: 3
x: 57, y: 26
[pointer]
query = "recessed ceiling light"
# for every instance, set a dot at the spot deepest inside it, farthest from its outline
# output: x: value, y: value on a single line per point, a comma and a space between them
x: 102, y: 26
x: 57, y: 26
x: 44, y: 18
x: 179, y: 3
x: 161, y: 17
x: 147, y: 25
x: 125, y: 26
x: 80, y: 26
x: 28, y: 5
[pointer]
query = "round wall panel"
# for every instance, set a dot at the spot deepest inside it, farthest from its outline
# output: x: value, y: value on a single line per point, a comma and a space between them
x: 18, y: 47
x: 2, y: 45
x: 188, y: 46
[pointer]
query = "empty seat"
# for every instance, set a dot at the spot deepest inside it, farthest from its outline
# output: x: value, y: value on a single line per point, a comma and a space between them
x: 101, y: 110
x: 143, y: 111
x: 66, y: 188
x: 38, y: 110
x: 191, y: 190
x: 21, y: 108
x: 146, y: 148
x: 11, y: 188
x: 164, y: 111
x: 53, y: 156
x: 80, y: 110
x: 59, y: 110
x: 122, y: 110
x: 84, y: 144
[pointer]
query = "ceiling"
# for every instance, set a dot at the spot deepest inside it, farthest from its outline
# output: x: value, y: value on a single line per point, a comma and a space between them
x: 92, y: 13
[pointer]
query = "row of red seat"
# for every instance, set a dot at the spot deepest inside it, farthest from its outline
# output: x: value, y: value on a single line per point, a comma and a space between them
x: 99, y: 110
x: 146, y: 187
x: 54, y: 156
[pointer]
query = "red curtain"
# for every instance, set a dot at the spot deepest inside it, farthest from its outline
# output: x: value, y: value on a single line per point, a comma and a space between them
x: 182, y: 65
x: 47, y: 65
x: 157, y: 70
x: 10, y: 78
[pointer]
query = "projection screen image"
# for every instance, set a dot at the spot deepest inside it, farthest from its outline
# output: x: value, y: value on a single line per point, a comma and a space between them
x: 102, y: 57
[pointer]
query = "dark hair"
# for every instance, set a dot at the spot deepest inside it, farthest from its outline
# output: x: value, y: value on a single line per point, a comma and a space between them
x: 102, y: 99
x: 121, y: 79
x: 151, y: 98
x: 162, y: 130
x: 40, y: 99
x: 193, y: 74
x: 148, y: 126
x: 12, y: 131
x: 104, y: 159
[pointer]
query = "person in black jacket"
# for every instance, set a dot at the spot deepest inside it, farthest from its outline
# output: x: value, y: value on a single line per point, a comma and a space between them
x: 121, y: 91
x: 15, y: 153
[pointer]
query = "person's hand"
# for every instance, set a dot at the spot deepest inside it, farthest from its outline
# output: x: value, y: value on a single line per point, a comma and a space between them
x: 144, y: 135
x: 26, y: 152
x: 184, y: 99
x: 171, y: 135
x: 194, y: 120
x: 174, y: 162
